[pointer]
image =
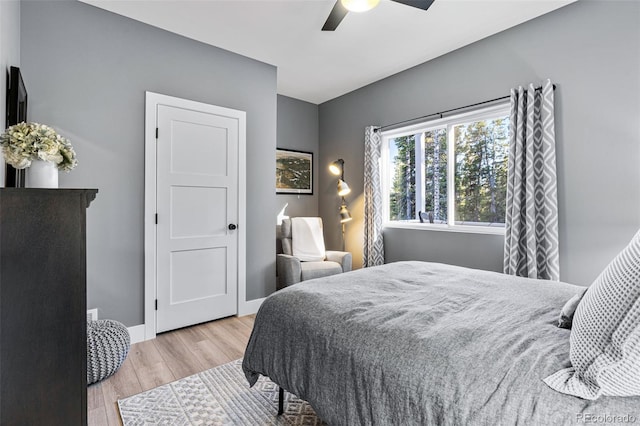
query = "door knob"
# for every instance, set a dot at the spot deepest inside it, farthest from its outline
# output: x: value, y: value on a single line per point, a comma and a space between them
x: 232, y: 226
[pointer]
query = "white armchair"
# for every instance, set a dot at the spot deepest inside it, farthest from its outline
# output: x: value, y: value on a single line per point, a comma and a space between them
x: 292, y: 270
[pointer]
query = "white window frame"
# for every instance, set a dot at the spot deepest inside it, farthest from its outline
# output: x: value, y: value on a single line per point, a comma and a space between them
x: 490, y: 112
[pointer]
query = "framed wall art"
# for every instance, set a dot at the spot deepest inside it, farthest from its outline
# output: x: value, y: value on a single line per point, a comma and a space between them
x: 294, y: 172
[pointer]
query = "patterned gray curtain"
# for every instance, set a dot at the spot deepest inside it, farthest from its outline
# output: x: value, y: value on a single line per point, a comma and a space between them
x: 531, y: 239
x: 373, y: 246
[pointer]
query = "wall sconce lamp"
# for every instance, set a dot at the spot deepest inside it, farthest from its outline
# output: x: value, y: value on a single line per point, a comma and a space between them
x: 337, y: 168
x: 345, y: 216
x: 343, y: 188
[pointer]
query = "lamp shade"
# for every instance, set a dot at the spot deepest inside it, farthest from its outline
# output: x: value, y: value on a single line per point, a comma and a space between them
x: 336, y: 167
x: 345, y: 216
x: 343, y: 188
x: 359, y: 5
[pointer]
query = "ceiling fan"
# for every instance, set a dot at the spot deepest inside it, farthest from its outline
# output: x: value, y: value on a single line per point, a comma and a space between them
x: 342, y: 7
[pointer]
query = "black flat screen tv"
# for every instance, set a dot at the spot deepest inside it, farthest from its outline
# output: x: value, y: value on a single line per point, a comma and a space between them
x: 16, y: 113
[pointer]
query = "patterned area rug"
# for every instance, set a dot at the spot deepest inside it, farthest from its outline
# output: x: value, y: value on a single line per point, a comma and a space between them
x: 220, y: 396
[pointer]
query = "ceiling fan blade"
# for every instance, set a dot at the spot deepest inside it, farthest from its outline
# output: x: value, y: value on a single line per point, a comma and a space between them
x: 420, y: 4
x: 335, y: 17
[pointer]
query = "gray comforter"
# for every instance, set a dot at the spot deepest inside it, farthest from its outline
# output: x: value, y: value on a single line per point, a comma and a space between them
x: 414, y: 343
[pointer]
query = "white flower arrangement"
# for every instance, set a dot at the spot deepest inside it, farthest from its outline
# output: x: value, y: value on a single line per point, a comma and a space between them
x: 23, y: 143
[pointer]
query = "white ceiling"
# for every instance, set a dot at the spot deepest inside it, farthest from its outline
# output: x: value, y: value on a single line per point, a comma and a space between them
x: 317, y: 66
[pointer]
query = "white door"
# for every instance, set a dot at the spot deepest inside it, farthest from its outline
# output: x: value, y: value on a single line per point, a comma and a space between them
x: 197, y: 213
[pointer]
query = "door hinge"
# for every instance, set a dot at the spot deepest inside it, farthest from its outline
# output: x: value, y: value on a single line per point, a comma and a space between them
x: 156, y: 218
x: 156, y: 133
x: 156, y: 304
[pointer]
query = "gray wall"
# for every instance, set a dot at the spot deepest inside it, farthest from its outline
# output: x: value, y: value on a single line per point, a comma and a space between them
x: 481, y: 251
x: 591, y: 51
x: 87, y: 71
x: 9, y: 56
x: 298, y: 130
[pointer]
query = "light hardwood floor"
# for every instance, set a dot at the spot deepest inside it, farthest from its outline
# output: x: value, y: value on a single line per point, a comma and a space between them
x: 168, y: 357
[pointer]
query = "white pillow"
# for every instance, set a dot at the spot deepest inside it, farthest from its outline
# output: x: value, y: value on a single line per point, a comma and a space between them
x: 605, y: 338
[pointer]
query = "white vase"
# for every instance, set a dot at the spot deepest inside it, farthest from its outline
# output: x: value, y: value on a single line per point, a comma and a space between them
x: 42, y: 174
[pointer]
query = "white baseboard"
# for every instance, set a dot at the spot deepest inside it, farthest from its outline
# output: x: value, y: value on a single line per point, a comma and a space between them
x: 136, y: 333
x: 250, y: 307
x: 92, y: 314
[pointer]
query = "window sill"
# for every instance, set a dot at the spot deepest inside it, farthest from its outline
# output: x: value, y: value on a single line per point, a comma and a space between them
x: 445, y: 228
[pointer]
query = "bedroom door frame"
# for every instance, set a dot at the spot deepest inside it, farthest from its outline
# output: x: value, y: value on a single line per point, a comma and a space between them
x: 152, y: 100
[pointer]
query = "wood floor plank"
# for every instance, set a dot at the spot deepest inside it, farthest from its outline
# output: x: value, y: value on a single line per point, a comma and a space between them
x: 235, y: 336
x: 95, y: 400
x: 230, y: 343
x: 97, y: 417
x: 221, y: 342
x: 179, y: 359
x: 192, y: 335
x: 169, y: 357
x: 153, y: 375
x: 112, y: 414
x: 236, y: 328
x: 144, y: 354
x: 122, y: 384
x: 247, y: 320
x: 208, y: 353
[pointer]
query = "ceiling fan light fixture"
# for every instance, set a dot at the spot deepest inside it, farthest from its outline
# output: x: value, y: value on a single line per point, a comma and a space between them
x: 359, y: 5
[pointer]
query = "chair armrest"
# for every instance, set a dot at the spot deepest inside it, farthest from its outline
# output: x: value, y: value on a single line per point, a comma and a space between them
x: 342, y: 257
x: 289, y: 270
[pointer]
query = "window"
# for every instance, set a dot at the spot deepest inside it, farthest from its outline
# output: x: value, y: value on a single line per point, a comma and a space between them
x: 452, y: 170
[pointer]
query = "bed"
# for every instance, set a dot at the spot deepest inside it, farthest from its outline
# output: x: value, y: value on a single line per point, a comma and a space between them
x: 425, y: 344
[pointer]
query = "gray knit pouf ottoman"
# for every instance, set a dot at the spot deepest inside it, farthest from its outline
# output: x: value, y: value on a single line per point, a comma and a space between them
x: 108, y: 344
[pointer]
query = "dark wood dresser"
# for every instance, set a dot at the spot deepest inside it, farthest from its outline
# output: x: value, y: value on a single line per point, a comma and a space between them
x: 43, y: 304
